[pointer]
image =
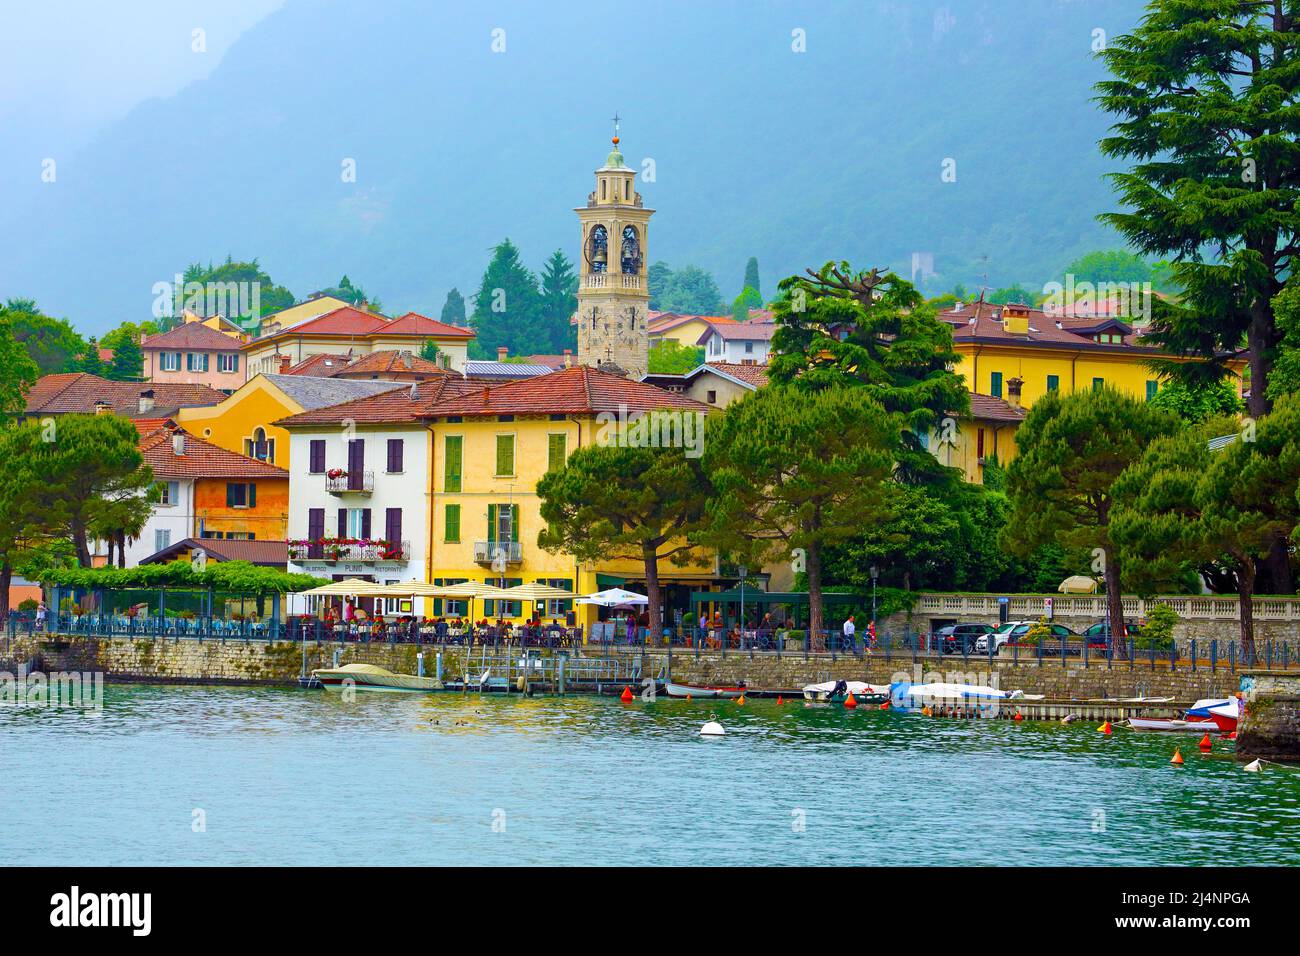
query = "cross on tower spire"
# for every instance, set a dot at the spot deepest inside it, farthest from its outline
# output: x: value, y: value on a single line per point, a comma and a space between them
x: 614, y: 119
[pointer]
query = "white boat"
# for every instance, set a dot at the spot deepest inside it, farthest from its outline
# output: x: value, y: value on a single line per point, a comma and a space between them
x: 705, y: 691
x: 373, y: 677
x: 974, y: 699
x: 838, y: 690
x: 1160, y: 724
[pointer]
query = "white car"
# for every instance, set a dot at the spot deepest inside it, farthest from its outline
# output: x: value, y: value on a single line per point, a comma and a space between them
x: 1001, y: 634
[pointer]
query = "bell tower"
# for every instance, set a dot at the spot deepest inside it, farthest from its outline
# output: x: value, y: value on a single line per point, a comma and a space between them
x: 613, y: 292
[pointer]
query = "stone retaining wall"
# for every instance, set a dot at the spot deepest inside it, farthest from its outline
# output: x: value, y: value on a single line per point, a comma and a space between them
x: 1271, y: 727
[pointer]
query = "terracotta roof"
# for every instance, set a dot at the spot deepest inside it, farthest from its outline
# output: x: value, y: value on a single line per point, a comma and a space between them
x: 666, y: 321
x: 1045, y: 330
x: 739, y: 332
x: 580, y: 390
x: 201, y: 459
x: 412, y: 323
x: 268, y: 553
x: 396, y: 405
x: 192, y: 335
x: 988, y: 408
x: 386, y: 362
x: 346, y: 320
x: 324, y: 364
x: 74, y: 392
x: 555, y: 362
x: 105, y: 355
x: 755, y: 375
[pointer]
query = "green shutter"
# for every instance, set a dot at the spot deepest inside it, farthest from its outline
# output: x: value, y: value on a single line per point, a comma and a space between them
x: 505, y: 454
x: 452, y: 531
x: 451, y: 473
x: 1153, y: 388
x: 555, y: 449
x: 514, y: 524
x: 252, y: 495
x: 492, y: 523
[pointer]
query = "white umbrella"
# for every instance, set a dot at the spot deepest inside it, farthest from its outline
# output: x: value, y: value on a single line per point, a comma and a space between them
x: 612, y: 597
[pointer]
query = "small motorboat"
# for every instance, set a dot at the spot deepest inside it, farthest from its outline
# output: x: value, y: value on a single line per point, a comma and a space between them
x: 966, y: 699
x: 373, y: 677
x: 1172, y: 725
x: 837, y: 691
x: 1223, y: 714
x: 706, y: 691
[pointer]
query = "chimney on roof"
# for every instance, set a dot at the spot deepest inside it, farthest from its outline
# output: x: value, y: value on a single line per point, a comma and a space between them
x: 568, y: 358
x: 1014, y: 385
x: 146, y: 400
x: 1015, y: 319
x: 178, y: 443
x: 502, y: 352
x: 284, y: 364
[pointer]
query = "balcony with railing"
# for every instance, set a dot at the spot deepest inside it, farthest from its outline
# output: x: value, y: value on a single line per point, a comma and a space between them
x: 360, y: 550
x: 489, y: 552
x: 612, y: 280
x: 340, y: 482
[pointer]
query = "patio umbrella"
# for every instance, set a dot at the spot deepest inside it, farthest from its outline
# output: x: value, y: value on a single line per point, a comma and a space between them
x: 471, y: 590
x: 612, y: 597
x: 351, y: 587
x: 1078, y: 584
x: 537, y: 592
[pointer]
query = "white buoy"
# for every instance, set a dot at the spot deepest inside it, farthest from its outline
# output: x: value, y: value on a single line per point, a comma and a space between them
x: 1253, y: 767
x: 712, y: 729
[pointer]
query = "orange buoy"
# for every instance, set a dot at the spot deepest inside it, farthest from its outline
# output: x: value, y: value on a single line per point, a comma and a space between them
x: 626, y: 696
x: 850, y: 702
x: 688, y: 696
x: 1177, y: 760
x: 741, y: 700
x: 884, y: 705
x: 1105, y: 728
x: 1205, y: 743
x: 1232, y: 736
x: 927, y: 712
x: 779, y: 700
x: 1019, y: 716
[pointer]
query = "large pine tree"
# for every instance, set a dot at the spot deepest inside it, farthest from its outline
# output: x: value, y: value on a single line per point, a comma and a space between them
x: 559, y: 301
x: 507, y: 307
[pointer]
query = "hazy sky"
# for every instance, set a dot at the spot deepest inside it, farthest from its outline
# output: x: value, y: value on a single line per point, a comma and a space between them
x: 70, y: 67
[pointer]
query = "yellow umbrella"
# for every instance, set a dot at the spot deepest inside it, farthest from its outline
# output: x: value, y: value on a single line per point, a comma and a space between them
x: 537, y: 592
x: 351, y: 587
x: 1078, y: 584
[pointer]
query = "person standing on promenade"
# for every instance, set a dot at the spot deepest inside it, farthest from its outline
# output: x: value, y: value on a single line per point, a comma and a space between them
x: 40, y: 616
x: 850, y: 634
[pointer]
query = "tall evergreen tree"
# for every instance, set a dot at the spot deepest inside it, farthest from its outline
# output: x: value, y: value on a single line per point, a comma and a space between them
x: 453, y: 309
x: 18, y: 371
x: 507, y: 307
x: 658, y: 278
x: 691, y: 291
x: 751, y: 278
x: 127, y: 364
x: 1204, y: 95
x: 559, y: 301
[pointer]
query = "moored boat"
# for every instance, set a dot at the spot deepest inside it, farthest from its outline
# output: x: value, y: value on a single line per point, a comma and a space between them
x: 707, y: 691
x: 968, y: 699
x: 1222, y: 713
x: 1172, y: 725
x: 837, y: 691
x: 373, y: 677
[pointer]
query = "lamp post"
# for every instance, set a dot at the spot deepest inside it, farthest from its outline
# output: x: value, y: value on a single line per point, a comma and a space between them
x: 744, y: 573
x: 875, y: 573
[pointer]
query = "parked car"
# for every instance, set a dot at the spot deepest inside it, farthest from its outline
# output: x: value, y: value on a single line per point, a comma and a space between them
x: 999, y: 635
x: 961, y: 638
x: 1098, y: 635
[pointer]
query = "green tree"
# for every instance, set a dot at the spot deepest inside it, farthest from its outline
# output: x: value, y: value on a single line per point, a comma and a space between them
x: 93, y: 477
x: 1110, y: 265
x: 1184, y: 502
x: 88, y: 361
x: 453, y: 309
x: 52, y: 343
x: 507, y: 308
x: 669, y: 357
x: 616, y: 502
x: 748, y: 299
x: 20, y: 483
x: 559, y: 302
x: 429, y: 350
x: 836, y: 327
x: 797, y: 473
x: 198, y: 281
x: 353, y: 295
x: 127, y: 364
x: 1285, y: 379
x: 751, y: 279
x: 1203, y: 93
x: 18, y: 371
x: 1197, y: 401
x: 658, y: 278
x: 1071, y: 451
x: 691, y: 291
x: 1016, y: 293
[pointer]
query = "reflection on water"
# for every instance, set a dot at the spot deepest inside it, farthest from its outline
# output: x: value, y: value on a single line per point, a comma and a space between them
x: 294, y: 777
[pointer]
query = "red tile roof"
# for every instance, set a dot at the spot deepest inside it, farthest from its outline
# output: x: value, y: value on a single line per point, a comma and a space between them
x: 344, y: 321
x: 325, y: 364
x: 666, y: 321
x: 396, y: 406
x: 755, y: 375
x: 268, y: 553
x: 78, y: 392
x: 192, y: 335
x: 1045, y: 330
x: 386, y: 362
x: 412, y: 323
x: 580, y: 390
x: 201, y: 459
x: 988, y: 408
x: 739, y: 331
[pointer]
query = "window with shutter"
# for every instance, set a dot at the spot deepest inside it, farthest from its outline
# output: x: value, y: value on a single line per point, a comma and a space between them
x: 556, y: 446
x: 451, y: 523
x: 505, y: 455
x: 395, y: 455
x: 317, y: 463
x: 393, y: 526
x: 451, y: 465
x: 492, y: 523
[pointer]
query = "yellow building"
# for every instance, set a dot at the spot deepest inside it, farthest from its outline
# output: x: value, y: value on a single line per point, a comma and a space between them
x: 685, y: 330
x: 245, y: 421
x: 1012, y: 355
x: 310, y: 308
x: 491, y: 447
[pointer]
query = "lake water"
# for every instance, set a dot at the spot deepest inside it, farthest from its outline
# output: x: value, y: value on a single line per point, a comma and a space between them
x: 203, y: 775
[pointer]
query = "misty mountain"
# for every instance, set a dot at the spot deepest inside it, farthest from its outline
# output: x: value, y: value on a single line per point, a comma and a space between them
x: 793, y: 157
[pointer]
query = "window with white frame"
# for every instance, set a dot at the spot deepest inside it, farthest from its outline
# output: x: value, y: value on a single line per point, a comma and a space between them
x: 170, y: 492
x: 162, y: 538
x: 228, y: 362
x: 196, y: 361
x: 170, y: 361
